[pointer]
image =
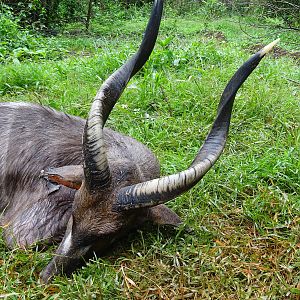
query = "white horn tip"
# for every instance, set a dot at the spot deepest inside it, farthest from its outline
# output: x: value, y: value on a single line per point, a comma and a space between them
x: 268, y: 48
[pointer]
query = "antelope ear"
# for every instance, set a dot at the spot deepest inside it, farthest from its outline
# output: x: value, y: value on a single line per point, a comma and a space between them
x: 69, y: 176
x: 162, y: 215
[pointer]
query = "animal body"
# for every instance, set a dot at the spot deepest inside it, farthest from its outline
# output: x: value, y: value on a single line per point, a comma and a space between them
x: 73, y: 181
x: 35, y: 209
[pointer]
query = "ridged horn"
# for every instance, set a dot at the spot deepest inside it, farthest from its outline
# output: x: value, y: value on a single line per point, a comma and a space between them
x: 161, y: 190
x: 96, y: 166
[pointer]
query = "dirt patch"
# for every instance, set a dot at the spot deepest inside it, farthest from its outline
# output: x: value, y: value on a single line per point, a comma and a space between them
x: 218, y: 35
x: 278, y: 52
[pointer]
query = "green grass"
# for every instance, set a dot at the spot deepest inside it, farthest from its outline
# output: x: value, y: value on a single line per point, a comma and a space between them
x: 245, y: 213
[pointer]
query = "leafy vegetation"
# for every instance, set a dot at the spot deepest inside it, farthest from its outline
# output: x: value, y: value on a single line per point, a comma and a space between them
x: 17, y: 44
x: 47, y: 15
x: 245, y: 213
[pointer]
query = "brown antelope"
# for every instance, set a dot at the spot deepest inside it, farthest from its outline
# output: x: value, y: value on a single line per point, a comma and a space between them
x: 67, y: 180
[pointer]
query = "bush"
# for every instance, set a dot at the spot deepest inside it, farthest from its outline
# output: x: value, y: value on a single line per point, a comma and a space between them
x: 42, y: 15
x: 17, y: 43
x: 284, y: 12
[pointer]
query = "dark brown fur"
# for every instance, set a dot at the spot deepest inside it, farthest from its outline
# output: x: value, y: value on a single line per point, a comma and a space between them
x: 35, y: 138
